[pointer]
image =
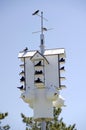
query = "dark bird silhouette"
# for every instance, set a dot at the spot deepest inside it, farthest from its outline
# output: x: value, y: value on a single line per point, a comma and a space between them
x: 62, y: 68
x: 38, y: 81
x: 38, y: 72
x: 55, y: 94
x: 22, y: 79
x: 44, y: 29
x: 36, y: 12
x: 21, y: 88
x: 62, y: 60
x: 26, y: 49
x: 38, y: 64
x: 22, y: 65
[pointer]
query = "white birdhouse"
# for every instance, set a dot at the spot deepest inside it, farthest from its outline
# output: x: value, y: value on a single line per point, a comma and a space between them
x: 42, y: 70
x: 41, y: 78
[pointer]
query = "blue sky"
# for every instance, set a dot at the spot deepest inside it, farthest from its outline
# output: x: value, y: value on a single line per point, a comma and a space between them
x: 68, y: 20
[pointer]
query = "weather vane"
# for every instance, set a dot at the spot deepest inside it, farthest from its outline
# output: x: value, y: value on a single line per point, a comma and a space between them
x: 42, y: 18
x: 42, y: 29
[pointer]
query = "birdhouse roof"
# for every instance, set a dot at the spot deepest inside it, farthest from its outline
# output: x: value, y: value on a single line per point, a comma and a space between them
x: 54, y: 51
x: 26, y: 54
x: 57, y: 51
x: 38, y: 56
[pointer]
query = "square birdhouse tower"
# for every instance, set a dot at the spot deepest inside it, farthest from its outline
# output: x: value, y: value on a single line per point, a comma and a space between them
x: 43, y: 70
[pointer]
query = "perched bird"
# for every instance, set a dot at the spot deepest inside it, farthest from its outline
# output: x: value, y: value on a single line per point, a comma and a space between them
x: 38, y: 72
x: 38, y: 80
x: 44, y: 29
x: 22, y: 79
x: 36, y: 12
x: 38, y: 64
x: 62, y: 60
x: 21, y: 88
x: 25, y: 49
x: 62, y: 68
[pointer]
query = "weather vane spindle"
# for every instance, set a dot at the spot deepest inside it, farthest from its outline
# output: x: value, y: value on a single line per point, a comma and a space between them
x: 42, y: 48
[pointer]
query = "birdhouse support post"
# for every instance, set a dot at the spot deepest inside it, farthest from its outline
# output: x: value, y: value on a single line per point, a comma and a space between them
x: 43, y: 125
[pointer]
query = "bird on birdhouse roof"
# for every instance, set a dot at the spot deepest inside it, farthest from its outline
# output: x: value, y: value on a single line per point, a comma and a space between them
x: 25, y: 49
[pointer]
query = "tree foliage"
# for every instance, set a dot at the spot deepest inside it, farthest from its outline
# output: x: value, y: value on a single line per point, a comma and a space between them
x: 2, y: 116
x: 55, y: 124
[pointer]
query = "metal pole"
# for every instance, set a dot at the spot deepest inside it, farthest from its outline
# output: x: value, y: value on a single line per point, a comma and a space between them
x: 41, y: 22
x: 42, y: 35
x: 43, y: 125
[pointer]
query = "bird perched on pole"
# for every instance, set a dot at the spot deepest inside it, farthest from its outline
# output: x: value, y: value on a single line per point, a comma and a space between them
x: 36, y: 12
x: 44, y: 29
